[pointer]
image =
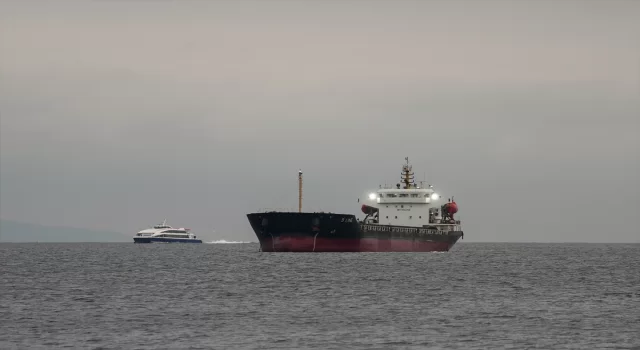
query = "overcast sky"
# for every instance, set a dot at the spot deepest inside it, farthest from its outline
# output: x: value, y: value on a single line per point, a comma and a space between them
x: 118, y: 114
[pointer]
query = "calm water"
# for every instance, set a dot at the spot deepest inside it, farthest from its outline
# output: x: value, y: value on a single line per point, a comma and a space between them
x: 230, y: 296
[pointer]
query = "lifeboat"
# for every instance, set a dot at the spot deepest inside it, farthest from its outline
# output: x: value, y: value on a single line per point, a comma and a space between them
x: 369, y: 210
x: 451, y: 208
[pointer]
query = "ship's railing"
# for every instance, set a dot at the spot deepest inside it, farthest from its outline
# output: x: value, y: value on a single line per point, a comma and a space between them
x: 455, y: 222
x: 446, y: 226
x: 265, y: 210
x: 291, y: 210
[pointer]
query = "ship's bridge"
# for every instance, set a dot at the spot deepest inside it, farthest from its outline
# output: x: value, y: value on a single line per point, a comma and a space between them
x: 408, y: 205
x: 412, y: 195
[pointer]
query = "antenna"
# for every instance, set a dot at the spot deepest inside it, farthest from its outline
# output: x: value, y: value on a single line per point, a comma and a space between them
x: 407, y: 175
x: 300, y: 191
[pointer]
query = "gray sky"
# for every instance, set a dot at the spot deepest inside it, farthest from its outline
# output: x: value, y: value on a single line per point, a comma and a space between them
x: 117, y: 114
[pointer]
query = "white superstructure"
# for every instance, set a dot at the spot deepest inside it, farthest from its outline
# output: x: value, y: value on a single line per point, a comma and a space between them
x: 154, y: 229
x: 409, y: 205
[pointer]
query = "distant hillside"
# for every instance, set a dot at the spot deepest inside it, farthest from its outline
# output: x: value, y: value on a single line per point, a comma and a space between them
x: 12, y: 231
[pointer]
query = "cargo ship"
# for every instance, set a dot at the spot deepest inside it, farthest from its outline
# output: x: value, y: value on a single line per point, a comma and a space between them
x: 404, y: 218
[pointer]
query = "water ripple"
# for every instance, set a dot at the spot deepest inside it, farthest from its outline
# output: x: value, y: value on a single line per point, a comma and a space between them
x: 230, y: 296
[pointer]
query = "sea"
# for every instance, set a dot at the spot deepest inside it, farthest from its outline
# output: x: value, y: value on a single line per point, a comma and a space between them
x: 232, y: 296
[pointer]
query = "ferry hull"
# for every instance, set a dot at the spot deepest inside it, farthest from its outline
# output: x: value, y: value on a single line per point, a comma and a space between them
x: 164, y: 240
x: 327, y: 232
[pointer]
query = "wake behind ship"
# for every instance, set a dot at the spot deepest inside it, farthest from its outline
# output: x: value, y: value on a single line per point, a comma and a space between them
x: 406, y: 218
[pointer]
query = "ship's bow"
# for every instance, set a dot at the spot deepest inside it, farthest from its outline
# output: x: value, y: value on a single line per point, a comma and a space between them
x: 305, y: 232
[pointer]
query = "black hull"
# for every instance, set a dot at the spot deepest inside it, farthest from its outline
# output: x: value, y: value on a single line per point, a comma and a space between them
x: 330, y: 232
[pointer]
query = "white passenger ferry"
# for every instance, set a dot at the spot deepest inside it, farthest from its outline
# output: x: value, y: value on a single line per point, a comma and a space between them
x: 164, y: 233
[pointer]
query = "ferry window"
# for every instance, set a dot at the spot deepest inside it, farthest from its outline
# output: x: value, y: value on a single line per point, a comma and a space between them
x: 387, y: 216
x: 396, y: 217
x: 419, y: 217
x: 403, y: 195
x: 415, y: 195
x: 402, y: 206
x: 391, y: 195
x: 409, y: 217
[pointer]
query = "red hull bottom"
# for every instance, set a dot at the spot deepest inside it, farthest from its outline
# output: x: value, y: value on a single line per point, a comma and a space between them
x: 309, y: 244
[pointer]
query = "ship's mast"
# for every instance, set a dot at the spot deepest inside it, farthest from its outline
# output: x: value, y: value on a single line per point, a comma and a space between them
x: 407, y: 175
x: 299, y: 191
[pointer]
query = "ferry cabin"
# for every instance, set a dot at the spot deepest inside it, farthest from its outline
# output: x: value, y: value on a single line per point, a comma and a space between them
x: 182, y: 233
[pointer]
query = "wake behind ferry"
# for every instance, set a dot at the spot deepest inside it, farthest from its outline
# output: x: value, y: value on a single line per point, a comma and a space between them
x: 404, y: 218
x: 164, y: 233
